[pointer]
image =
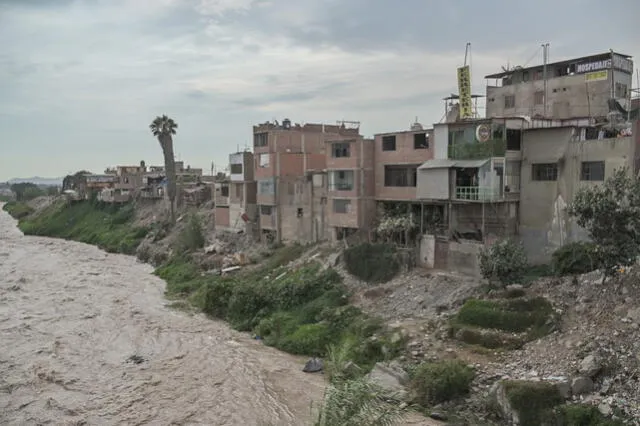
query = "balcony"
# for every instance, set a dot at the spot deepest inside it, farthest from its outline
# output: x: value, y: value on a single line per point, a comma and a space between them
x: 477, y: 193
x: 477, y: 150
x: 341, y: 186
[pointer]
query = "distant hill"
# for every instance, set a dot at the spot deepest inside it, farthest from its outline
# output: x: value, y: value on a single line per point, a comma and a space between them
x: 38, y: 181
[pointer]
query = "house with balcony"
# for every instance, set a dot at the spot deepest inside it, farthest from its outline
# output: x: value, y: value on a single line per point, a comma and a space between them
x: 350, y: 186
x: 473, y: 182
x: 289, y: 164
x: 237, y: 211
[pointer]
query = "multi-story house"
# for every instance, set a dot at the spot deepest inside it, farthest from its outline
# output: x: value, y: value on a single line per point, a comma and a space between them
x: 289, y: 171
x: 350, y: 186
x: 236, y: 209
x: 590, y: 86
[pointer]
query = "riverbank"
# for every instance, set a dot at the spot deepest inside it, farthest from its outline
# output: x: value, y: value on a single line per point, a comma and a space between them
x: 88, y: 339
x: 301, y: 300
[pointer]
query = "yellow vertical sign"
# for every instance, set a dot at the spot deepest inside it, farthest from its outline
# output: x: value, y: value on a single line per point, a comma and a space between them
x: 464, y: 91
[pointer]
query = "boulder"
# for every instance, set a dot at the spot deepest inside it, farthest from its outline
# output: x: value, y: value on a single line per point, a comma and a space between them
x: 390, y: 377
x: 498, y: 395
x: 581, y: 385
x: 314, y: 365
x: 590, y: 366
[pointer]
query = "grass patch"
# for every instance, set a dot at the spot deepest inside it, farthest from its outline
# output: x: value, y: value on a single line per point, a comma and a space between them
x: 104, y: 225
x: 437, y: 382
x: 301, y: 310
x: 533, y: 401
x: 373, y: 263
x: 17, y: 209
x: 507, y: 323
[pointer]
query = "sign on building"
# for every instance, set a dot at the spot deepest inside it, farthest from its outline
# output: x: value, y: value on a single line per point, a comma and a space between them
x: 596, y: 76
x: 464, y: 92
x: 619, y: 62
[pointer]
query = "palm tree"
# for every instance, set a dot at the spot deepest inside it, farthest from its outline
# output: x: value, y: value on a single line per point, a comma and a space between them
x: 164, y: 128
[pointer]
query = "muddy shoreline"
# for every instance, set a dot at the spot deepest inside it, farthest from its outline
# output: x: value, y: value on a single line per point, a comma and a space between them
x: 71, y: 318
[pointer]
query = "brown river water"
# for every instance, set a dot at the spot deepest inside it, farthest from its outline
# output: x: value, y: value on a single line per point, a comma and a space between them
x: 72, y: 315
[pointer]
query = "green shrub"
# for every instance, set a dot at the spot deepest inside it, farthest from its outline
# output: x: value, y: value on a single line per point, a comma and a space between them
x: 504, y: 261
x: 309, y: 339
x: 575, y: 258
x: 437, y: 382
x: 192, y: 236
x: 513, y: 315
x: 17, y: 209
x: 533, y: 401
x: 486, y: 338
x: 583, y: 415
x: 373, y: 263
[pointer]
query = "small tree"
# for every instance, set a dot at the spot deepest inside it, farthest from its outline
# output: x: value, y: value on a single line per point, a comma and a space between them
x: 610, y: 213
x: 504, y: 261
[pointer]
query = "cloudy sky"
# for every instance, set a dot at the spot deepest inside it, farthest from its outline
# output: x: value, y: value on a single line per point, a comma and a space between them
x: 80, y: 80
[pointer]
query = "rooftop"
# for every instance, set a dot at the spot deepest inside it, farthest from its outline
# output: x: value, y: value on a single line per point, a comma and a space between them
x: 599, y: 56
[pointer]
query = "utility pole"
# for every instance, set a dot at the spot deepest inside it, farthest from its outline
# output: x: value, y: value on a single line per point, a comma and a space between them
x: 545, y: 60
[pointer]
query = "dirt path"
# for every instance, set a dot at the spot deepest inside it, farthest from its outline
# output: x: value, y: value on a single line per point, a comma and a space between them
x: 71, y: 316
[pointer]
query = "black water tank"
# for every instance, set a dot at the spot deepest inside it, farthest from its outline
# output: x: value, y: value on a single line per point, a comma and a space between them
x: 286, y: 124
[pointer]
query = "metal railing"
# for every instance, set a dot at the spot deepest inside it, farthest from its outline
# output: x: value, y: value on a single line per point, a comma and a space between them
x: 477, y: 193
x: 341, y: 186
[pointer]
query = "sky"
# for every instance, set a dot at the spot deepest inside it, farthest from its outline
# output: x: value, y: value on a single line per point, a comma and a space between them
x: 81, y: 80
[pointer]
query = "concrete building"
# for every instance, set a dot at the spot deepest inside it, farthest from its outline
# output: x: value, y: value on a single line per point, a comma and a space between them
x: 556, y: 162
x: 96, y: 183
x: 129, y: 180
x: 350, y: 186
x: 237, y: 211
x: 575, y: 88
x: 469, y: 192
x: 289, y: 171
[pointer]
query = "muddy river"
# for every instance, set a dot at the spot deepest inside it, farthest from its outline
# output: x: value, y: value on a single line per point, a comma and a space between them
x: 86, y: 338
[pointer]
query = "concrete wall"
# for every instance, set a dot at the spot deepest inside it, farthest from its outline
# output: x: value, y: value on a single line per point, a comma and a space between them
x: 427, y: 251
x: 246, y: 160
x: 222, y: 216
x: 404, y: 154
x: 463, y: 257
x: 544, y: 224
x: 433, y: 184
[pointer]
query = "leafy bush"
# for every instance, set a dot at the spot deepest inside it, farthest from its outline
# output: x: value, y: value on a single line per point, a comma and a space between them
x: 533, y: 401
x: 192, y: 237
x: 356, y: 403
x: 504, y: 261
x: 575, y: 258
x: 486, y: 338
x: 583, y: 415
x: 373, y: 263
x: 437, y: 382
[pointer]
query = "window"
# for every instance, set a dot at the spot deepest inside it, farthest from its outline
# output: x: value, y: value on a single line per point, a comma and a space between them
x: 265, y: 210
x: 341, y: 206
x: 341, y: 180
x: 544, y: 171
x: 340, y: 150
x: 538, y: 98
x: 510, y: 101
x: 525, y: 76
x: 621, y: 90
x: 513, y: 139
x: 389, y: 143
x: 266, y: 187
x: 300, y: 212
x: 239, y: 191
x: 260, y: 139
x: 236, y: 169
x: 225, y: 190
x: 420, y: 141
x: 400, y: 175
x: 592, y: 170
x: 538, y: 74
x: 263, y: 160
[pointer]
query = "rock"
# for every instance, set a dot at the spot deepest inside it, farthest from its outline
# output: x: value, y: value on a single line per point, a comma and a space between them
x: 390, y: 377
x: 634, y: 315
x: 314, y: 365
x: 498, y: 395
x: 605, y: 409
x: 438, y: 416
x: 515, y: 287
x: 590, y: 366
x: 581, y: 385
x: 564, y: 388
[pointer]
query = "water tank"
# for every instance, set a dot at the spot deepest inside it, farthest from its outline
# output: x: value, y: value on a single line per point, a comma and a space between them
x: 286, y: 124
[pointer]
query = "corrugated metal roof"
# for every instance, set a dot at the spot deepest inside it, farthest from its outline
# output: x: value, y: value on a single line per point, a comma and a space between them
x: 447, y: 164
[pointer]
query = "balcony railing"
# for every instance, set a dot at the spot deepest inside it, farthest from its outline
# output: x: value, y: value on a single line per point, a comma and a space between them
x: 477, y: 193
x: 477, y: 150
x: 341, y: 186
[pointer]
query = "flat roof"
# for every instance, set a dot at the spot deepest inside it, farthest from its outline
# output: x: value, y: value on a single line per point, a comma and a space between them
x: 553, y: 64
